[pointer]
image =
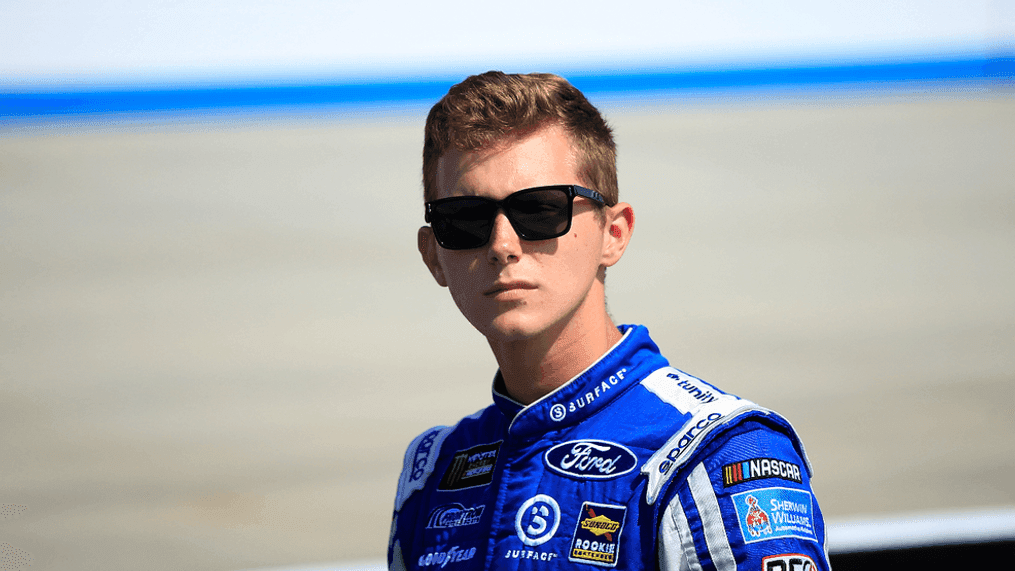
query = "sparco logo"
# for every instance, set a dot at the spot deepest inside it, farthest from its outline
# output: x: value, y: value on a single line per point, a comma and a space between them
x: 686, y: 440
x: 787, y: 562
x: 595, y: 459
x: 422, y: 455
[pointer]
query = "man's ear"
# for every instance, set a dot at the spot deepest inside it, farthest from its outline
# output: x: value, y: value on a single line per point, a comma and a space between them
x: 617, y: 232
x: 427, y: 245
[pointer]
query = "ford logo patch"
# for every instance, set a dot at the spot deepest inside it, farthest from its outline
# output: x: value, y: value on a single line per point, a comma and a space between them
x: 595, y: 459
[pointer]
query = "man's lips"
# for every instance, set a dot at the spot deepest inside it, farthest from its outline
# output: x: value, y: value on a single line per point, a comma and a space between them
x: 508, y: 286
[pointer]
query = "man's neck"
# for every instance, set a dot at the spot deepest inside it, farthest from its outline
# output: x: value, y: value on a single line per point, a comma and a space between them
x: 535, y: 367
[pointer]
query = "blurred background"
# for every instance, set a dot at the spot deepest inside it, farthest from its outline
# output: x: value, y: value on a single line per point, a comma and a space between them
x: 216, y: 336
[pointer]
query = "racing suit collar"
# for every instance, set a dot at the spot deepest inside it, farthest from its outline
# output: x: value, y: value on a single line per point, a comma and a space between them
x: 624, y: 365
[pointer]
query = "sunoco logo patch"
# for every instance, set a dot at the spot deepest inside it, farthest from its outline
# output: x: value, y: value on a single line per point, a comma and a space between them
x: 471, y: 468
x: 597, y: 536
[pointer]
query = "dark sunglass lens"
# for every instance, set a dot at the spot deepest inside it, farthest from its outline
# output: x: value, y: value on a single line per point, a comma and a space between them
x: 463, y: 223
x: 540, y: 214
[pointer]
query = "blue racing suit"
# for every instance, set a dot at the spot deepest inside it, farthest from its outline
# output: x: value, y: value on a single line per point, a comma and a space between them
x: 630, y: 465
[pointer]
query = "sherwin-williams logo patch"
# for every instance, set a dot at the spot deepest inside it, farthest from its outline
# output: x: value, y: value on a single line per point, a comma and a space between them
x: 759, y: 468
x: 593, y: 459
x: 597, y: 536
x: 471, y: 468
x: 771, y: 513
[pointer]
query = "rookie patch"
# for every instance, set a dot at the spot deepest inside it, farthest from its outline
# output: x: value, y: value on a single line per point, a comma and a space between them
x: 596, y: 539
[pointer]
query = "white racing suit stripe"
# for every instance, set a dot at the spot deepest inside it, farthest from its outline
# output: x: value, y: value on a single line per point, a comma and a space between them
x: 711, y: 519
x: 676, y: 544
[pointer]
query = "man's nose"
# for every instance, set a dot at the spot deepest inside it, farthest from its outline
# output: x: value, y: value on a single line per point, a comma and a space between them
x: 505, y: 245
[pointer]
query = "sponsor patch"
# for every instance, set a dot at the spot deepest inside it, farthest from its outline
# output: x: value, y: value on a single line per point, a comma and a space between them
x: 760, y: 468
x: 530, y: 554
x: 558, y: 411
x: 771, y: 513
x: 423, y: 455
x: 454, y: 515
x: 596, y: 537
x: 592, y: 459
x: 537, y: 520
x: 788, y: 562
x: 471, y: 468
x: 455, y: 554
x: 700, y: 423
x: 694, y: 388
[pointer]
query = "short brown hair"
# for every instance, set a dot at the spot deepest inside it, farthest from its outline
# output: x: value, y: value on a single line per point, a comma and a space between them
x: 490, y: 107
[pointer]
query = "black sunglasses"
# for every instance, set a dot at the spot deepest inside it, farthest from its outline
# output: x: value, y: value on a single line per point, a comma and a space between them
x: 541, y: 213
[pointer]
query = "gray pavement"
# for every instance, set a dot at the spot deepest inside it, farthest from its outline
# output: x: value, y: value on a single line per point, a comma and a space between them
x: 216, y: 339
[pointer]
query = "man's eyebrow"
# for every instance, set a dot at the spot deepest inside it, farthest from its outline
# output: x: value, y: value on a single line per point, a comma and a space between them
x: 462, y: 191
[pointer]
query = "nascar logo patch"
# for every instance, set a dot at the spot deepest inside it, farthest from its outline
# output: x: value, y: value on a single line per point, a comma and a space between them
x: 760, y: 468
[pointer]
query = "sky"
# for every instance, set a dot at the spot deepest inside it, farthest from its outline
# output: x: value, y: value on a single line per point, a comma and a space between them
x: 46, y: 41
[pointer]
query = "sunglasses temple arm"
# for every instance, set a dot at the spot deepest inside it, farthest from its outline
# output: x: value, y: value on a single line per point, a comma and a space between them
x: 589, y: 193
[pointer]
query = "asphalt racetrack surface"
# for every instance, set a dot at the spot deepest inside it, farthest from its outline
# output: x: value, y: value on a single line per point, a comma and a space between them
x: 216, y: 338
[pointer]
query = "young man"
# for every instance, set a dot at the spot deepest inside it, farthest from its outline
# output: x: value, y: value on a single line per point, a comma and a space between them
x: 595, y: 452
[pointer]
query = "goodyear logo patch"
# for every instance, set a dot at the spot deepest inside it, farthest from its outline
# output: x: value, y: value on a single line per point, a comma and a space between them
x: 471, y: 468
x: 596, y: 537
x: 772, y: 513
x: 442, y: 558
x: 760, y: 468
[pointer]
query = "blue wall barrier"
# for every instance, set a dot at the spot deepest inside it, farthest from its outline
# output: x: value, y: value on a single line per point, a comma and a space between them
x: 39, y: 102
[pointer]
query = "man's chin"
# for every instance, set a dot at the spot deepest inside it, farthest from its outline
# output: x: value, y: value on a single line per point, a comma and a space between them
x: 510, y: 330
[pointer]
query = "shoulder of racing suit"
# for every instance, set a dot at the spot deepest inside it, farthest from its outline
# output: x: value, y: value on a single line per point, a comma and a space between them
x: 421, y: 457
x: 732, y: 485
x: 711, y: 413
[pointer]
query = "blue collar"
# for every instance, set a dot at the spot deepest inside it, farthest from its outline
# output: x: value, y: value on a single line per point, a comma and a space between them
x: 623, y: 366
